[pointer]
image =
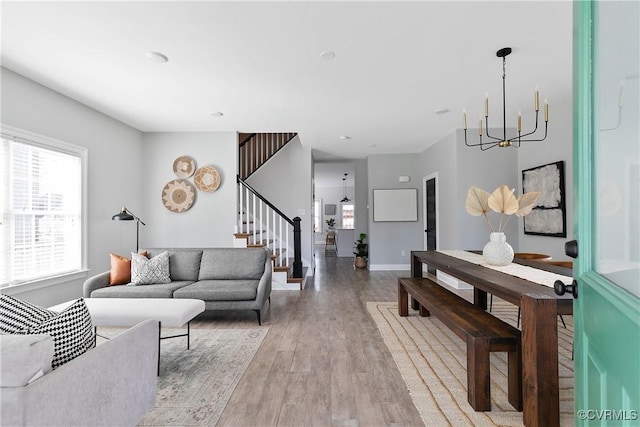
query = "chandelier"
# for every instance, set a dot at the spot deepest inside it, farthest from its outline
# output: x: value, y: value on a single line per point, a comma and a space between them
x: 344, y: 188
x: 503, y: 141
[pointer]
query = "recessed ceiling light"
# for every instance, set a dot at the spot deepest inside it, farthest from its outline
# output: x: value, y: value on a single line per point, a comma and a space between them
x: 328, y: 55
x: 217, y: 113
x: 158, y: 57
x: 344, y: 137
x: 441, y: 111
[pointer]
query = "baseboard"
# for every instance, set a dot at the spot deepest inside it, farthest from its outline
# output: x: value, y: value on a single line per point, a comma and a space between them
x: 389, y: 267
x: 452, y: 281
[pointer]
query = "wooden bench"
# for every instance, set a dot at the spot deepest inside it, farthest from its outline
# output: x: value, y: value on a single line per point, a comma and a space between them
x: 483, y: 333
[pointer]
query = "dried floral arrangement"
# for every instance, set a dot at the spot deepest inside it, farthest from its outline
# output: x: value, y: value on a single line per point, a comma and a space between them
x: 502, y: 201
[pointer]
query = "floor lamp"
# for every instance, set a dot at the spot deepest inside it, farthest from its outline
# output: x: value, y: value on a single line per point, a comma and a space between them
x: 126, y: 215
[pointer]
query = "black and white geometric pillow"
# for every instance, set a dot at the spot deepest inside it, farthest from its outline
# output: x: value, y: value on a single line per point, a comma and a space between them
x: 145, y: 271
x: 71, y: 331
x: 17, y: 315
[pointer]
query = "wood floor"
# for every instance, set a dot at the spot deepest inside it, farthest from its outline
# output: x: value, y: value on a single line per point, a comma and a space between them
x: 323, y: 362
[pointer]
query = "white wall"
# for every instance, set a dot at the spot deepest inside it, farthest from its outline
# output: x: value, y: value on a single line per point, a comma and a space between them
x: 286, y: 181
x: 210, y: 221
x: 114, y: 156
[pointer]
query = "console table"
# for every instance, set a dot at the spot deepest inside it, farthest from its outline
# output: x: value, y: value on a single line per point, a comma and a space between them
x: 539, y: 307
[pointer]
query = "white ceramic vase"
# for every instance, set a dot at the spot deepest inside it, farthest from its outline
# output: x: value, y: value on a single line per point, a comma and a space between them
x: 498, y: 251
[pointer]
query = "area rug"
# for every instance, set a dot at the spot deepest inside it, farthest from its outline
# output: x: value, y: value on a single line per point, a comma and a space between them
x: 195, y: 385
x: 432, y: 361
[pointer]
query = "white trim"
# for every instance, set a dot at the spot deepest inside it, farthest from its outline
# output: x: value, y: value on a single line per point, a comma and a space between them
x: 424, y: 209
x: 66, y: 147
x: 44, y: 283
x: 390, y: 267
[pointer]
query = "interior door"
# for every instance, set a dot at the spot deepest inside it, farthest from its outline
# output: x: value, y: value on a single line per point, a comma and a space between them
x: 607, y: 164
x: 430, y: 212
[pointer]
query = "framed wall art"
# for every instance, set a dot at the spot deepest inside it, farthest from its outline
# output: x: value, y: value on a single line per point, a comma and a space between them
x: 395, y: 204
x: 549, y: 216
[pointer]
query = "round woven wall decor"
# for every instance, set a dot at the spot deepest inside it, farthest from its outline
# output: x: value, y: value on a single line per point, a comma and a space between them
x: 178, y: 195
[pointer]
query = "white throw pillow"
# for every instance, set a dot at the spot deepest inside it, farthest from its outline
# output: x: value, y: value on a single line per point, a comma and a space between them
x: 146, y: 271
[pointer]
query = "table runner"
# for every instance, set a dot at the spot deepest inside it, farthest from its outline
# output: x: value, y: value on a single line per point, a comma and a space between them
x: 542, y: 277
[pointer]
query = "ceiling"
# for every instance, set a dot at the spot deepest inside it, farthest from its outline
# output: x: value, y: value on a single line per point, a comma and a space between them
x: 260, y: 64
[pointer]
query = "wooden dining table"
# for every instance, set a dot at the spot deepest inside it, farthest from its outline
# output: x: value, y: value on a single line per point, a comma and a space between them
x: 539, y: 306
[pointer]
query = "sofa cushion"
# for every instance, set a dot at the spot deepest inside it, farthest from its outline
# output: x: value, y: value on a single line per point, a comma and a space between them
x: 71, y: 331
x: 120, y: 273
x: 17, y: 315
x: 184, y: 264
x: 146, y: 271
x: 24, y: 358
x: 162, y: 290
x: 220, y: 290
x: 229, y: 264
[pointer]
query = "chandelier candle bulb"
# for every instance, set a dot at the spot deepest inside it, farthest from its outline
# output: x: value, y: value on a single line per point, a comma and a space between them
x: 537, y: 99
x: 480, y: 127
x: 464, y: 119
x: 546, y: 111
x: 519, y: 122
x: 486, y: 105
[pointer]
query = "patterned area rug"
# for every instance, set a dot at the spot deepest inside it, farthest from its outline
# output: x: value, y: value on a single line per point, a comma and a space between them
x: 195, y: 385
x: 432, y: 361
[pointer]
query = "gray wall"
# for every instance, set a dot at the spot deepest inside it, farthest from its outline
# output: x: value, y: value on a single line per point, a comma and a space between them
x: 286, y: 181
x: 361, y: 200
x: 558, y: 146
x: 210, y: 221
x: 114, y: 172
x: 388, y: 240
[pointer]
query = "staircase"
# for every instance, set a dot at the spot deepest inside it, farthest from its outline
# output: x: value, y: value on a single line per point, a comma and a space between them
x: 259, y: 222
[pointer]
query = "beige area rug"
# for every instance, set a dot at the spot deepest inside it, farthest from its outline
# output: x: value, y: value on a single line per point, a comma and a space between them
x: 432, y: 361
x: 195, y: 385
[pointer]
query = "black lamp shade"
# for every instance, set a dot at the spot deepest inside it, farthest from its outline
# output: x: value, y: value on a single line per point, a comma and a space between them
x: 123, y: 216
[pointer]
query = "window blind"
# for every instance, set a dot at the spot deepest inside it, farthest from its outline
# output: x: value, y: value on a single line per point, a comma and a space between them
x: 41, y: 212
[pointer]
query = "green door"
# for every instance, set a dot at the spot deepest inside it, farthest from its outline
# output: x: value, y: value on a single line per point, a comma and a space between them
x: 607, y: 186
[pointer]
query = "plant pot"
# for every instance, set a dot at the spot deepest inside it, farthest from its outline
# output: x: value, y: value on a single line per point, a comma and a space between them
x: 360, y: 262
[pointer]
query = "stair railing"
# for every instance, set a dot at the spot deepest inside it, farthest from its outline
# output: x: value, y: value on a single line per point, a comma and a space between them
x: 270, y: 226
x: 256, y: 148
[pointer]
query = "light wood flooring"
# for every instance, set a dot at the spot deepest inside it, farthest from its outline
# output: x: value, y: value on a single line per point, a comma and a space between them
x: 323, y: 362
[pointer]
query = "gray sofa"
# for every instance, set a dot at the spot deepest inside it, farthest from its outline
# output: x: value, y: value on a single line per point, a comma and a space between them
x: 224, y: 278
x: 113, y: 384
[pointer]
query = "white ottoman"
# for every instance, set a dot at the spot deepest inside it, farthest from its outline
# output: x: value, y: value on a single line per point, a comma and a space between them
x: 119, y: 312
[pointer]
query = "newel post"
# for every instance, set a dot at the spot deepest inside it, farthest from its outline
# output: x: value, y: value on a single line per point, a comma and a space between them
x: 297, y: 248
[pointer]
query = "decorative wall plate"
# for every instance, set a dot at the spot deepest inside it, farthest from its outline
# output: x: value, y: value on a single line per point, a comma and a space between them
x: 178, y: 195
x: 207, y: 179
x: 184, y: 166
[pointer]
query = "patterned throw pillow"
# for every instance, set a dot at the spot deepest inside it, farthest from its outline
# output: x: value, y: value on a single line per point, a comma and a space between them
x: 146, y: 271
x: 17, y: 315
x: 120, y: 273
x: 71, y: 331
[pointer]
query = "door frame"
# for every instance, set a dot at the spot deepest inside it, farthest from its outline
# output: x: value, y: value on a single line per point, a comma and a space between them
x: 426, y: 178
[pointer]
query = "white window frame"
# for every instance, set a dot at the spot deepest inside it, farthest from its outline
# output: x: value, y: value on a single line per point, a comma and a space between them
x: 20, y: 135
x: 317, y: 216
x: 353, y: 218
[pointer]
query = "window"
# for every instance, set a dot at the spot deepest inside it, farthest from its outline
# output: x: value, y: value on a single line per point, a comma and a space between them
x: 41, y: 202
x: 347, y: 216
x: 317, y: 216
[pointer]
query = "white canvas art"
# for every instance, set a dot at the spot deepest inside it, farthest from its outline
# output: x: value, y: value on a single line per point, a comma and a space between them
x: 548, y: 217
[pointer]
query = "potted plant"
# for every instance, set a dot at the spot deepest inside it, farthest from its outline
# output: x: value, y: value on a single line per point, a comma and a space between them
x: 361, y: 252
x: 331, y: 222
